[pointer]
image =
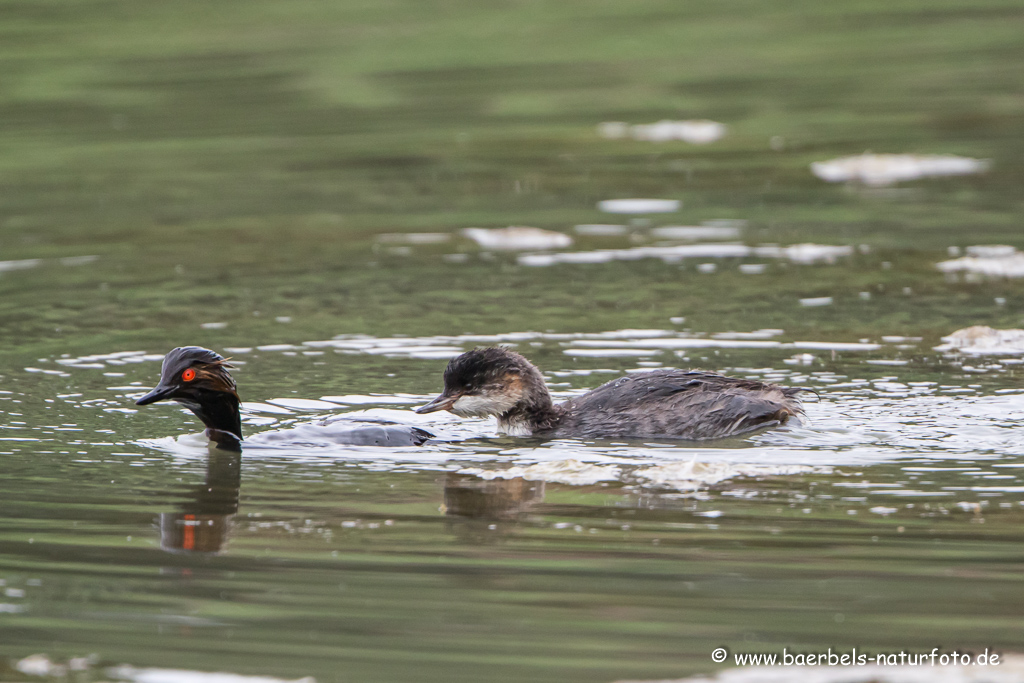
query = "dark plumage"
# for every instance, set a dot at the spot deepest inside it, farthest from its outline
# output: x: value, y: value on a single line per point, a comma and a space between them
x: 677, y: 404
x: 199, y: 379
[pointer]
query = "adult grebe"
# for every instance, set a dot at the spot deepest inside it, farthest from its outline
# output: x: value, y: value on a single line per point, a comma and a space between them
x: 199, y: 379
x: 662, y: 403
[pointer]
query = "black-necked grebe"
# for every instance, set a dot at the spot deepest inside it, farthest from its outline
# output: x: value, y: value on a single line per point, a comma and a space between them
x: 661, y: 403
x: 199, y: 379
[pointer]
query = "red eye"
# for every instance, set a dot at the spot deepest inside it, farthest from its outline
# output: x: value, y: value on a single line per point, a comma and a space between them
x: 188, y: 375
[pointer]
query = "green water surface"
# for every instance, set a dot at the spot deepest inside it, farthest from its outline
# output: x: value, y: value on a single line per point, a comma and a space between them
x: 240, y: 163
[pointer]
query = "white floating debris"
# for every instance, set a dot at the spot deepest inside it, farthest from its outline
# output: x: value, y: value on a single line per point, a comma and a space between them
x: 696, y: 132
x: 996, y: 260
x: 886, y: 169
x: 817, y: 301
x: 600, y: 230
x: 630, y: 206
x: 559, y: 471
x: 801, y: 359
x: 707, y: 268
x: 753, y: 268
x: 213, y: 326
x: 981, y: 340
x: 882, y: 510
x: 517, y: 237
x: 696, y: 232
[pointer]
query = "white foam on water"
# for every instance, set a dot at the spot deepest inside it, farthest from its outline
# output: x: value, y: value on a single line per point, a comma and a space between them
x: 797, y: 253
x: 414, y: 237
x: 639, y: 206
x: 695, y: 232
x: 694, y: 474
x: 568, y: 471
x: 22, y: 264
x: 695, y: 132
x: 835, y: 346
x: 756, y: 334
x: 153, y: 675
x: 997, y: 260
x: 887, y: 169
x: 983, y: 340
x: 517, y: 238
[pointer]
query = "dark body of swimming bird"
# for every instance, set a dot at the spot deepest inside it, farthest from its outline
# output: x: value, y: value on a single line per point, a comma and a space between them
x: 676, y: 404
x: 198, y: 379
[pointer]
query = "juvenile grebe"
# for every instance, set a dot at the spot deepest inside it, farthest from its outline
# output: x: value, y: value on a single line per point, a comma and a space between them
x: 199, y: 379
x: 661, y: 403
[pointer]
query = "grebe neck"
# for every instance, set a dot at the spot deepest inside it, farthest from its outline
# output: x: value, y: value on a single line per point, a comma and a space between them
x: 219, y: 411
x: 534, y: 412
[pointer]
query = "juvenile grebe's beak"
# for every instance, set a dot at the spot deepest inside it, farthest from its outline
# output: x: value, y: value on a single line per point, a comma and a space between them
x: 159, y: 393
x: 442, y: 402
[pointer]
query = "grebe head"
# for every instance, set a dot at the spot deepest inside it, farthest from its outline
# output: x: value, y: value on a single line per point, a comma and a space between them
x: 198, y: 379
x: 489, y: 381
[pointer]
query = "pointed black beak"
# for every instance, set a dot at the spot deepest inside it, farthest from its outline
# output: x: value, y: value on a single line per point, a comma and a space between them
x: 161, y: 392
x: 443, y: 402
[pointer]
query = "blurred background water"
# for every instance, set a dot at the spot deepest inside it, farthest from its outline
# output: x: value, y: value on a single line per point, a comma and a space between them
x: 295, y: 184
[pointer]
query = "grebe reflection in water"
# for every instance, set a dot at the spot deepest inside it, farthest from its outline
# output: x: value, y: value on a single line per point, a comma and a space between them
x: 202, y: 523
